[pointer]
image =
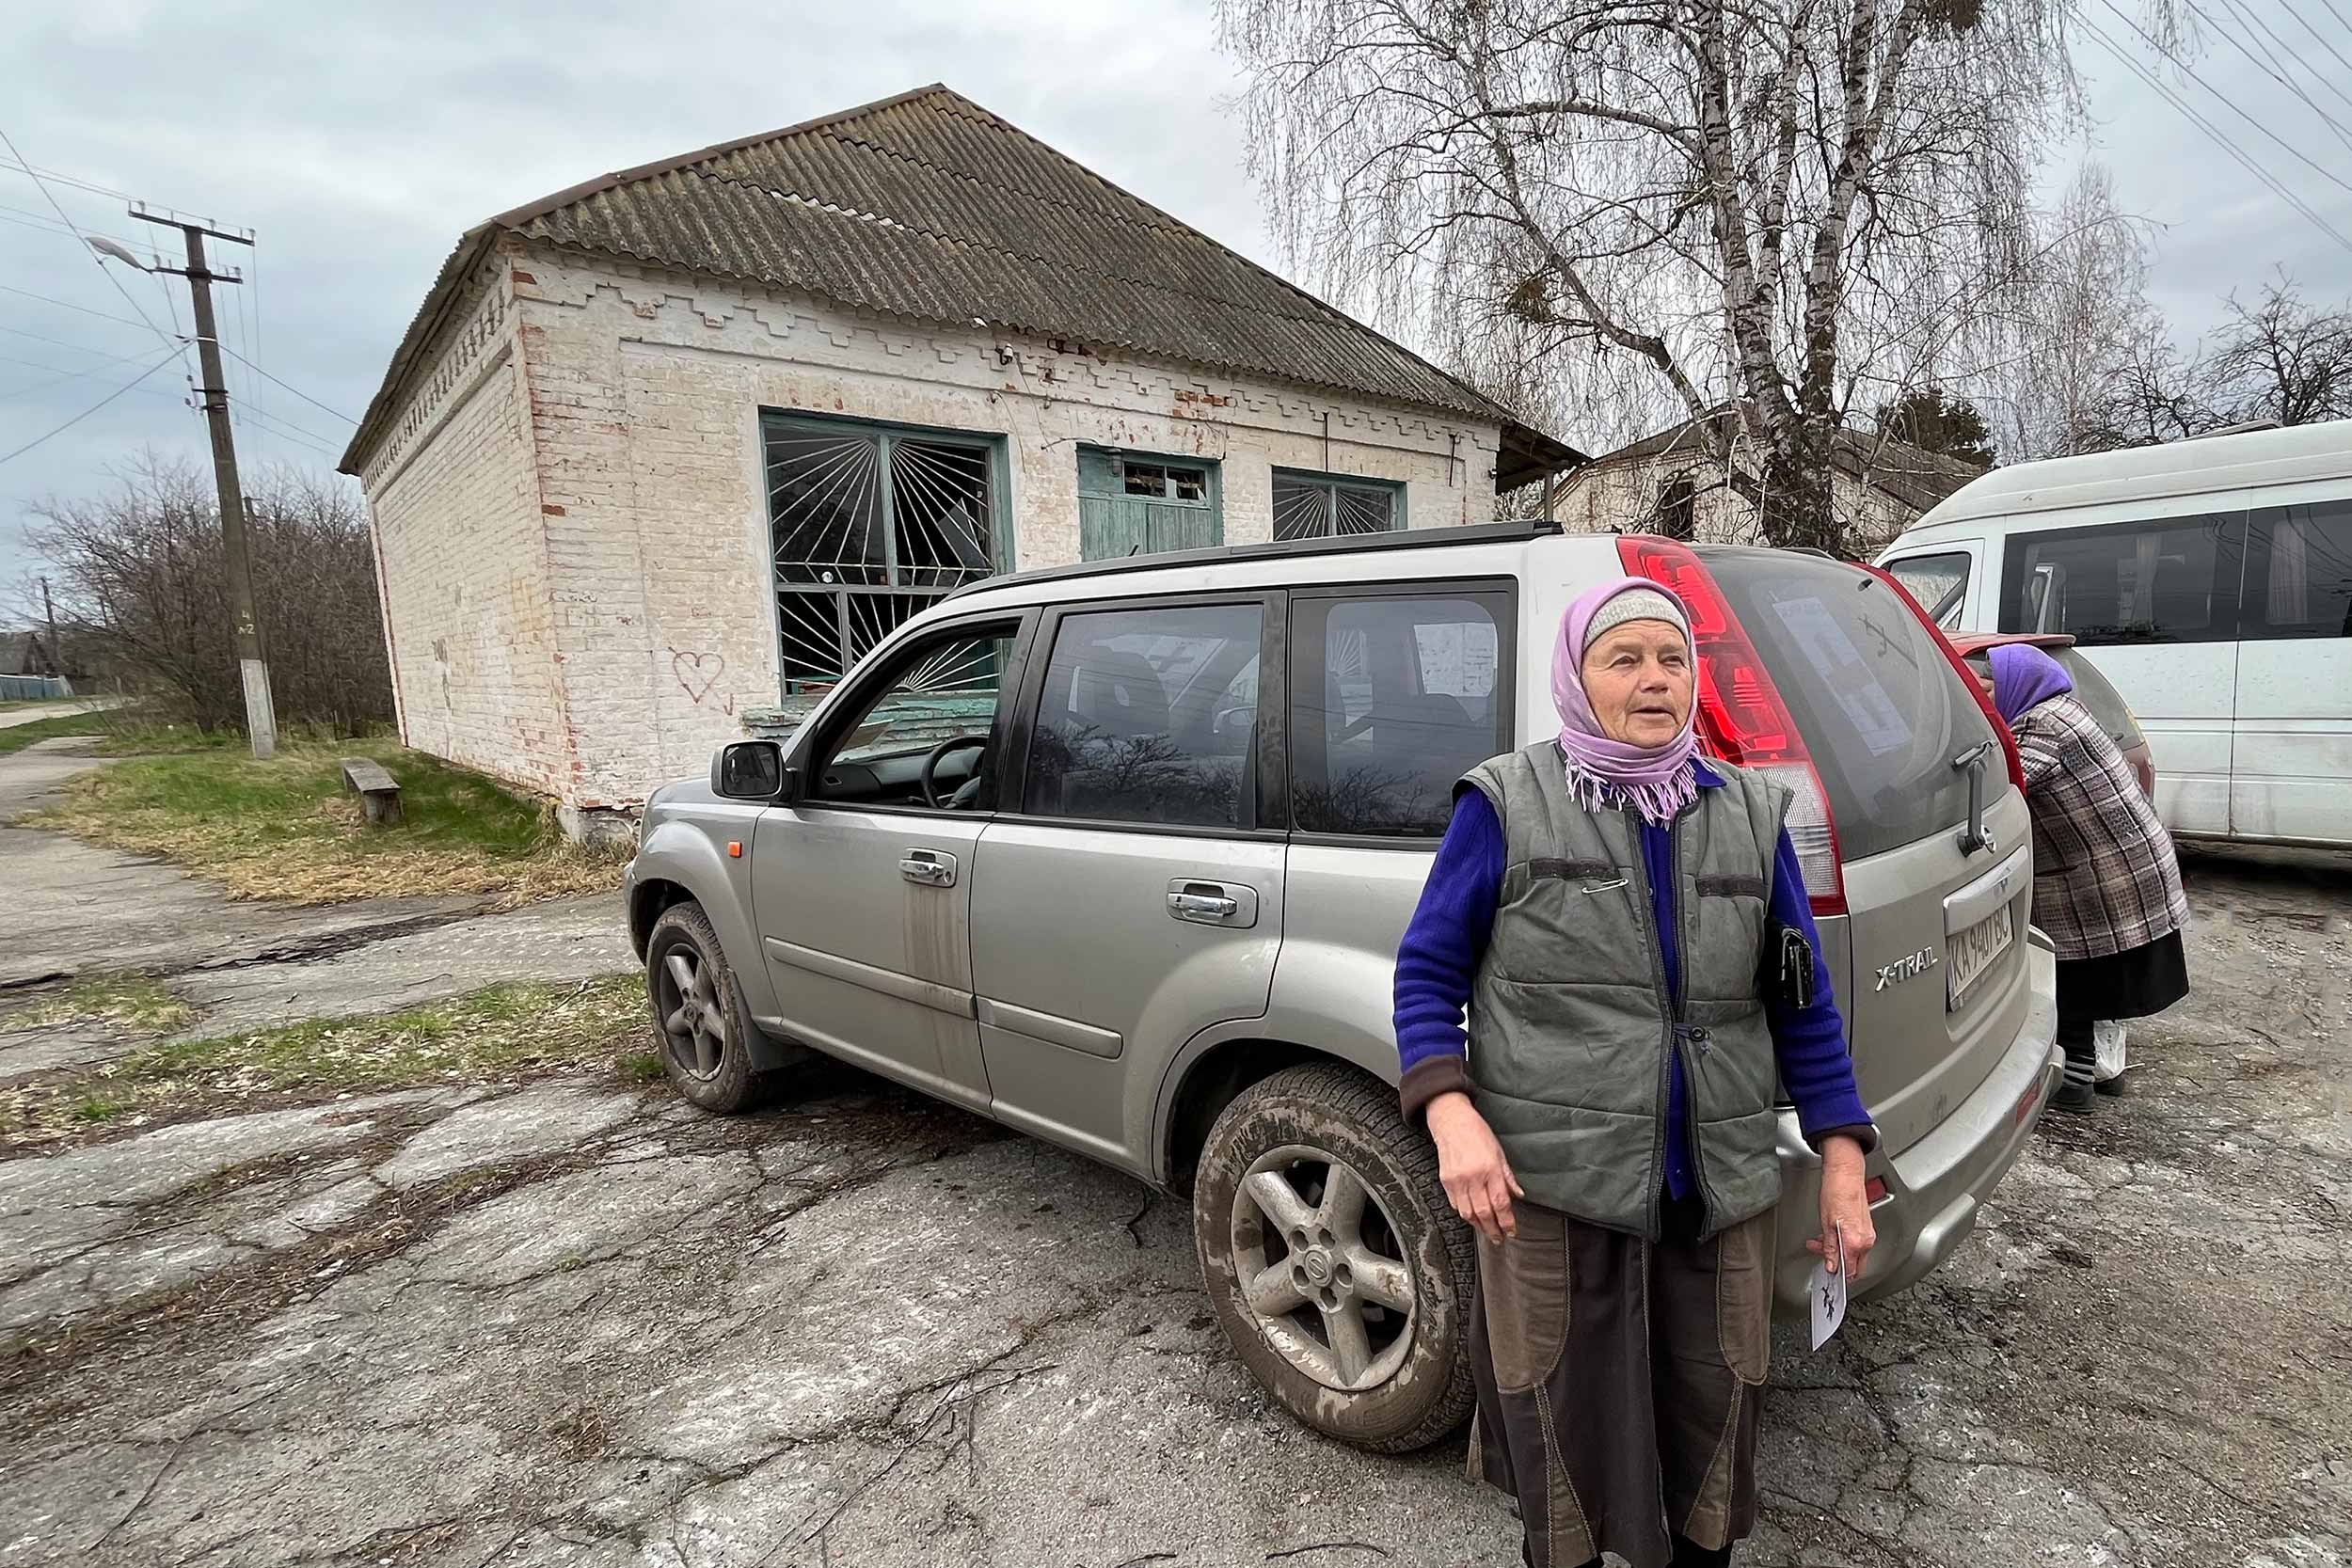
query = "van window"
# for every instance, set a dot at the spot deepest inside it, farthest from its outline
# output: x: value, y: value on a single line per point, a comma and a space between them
x: 2171, y: 580
x: 2298, y: 571
x: 1937, y: 581
x: 1881, y: 710
x: 1149, y: 716
x: 1392, y: 699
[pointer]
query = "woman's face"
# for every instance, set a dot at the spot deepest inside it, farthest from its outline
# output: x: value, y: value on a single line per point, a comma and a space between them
x: 1637, y: 678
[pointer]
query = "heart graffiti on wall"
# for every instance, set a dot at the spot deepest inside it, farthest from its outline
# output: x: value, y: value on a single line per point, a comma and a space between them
x: 696, y: 672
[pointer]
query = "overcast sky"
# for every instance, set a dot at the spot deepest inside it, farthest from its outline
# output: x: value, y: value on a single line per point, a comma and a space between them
x: 359, y: 141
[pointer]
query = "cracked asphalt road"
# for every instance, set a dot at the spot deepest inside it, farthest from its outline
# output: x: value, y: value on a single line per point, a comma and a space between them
x: 564, y: 1323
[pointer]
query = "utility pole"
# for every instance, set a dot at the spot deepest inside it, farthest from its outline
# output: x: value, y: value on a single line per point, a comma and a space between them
x: 49, y: 613
x: 261, y: 715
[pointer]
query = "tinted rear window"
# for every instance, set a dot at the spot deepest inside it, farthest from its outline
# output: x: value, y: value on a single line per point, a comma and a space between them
x: 1882, y: 710
x: 2105, y: 704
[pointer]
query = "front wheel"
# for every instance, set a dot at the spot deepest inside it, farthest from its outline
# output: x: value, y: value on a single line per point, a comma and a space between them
x: 698, y: 1012
x: 1333, y: 1260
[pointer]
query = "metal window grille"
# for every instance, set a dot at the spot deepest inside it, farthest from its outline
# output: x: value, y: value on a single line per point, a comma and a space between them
x: 869, y: 528
x: 1311, y: 508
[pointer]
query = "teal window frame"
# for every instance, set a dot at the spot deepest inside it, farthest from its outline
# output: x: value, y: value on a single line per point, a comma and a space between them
x: 1331, y: 485
x: 1100, y: 509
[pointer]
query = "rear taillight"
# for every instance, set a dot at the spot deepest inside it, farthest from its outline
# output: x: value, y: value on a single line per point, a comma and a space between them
x: 1968, y: 678
x: 1741, y: 717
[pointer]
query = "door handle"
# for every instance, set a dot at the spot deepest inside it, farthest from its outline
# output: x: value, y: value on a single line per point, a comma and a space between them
x: 928, y: 867
x: 1201, y: 906
x: 1207, y: 903
x: 1973, y: 835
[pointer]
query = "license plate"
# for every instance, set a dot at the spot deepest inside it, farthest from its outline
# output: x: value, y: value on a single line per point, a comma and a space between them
x: 1974, y: 949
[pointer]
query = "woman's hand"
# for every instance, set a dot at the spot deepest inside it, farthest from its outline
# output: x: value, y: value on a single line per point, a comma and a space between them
x: 1470, y: 1161
x: 1844, y: 1209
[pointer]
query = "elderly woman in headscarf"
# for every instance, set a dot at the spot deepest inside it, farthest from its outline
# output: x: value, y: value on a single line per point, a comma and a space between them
x: 1612, y: 912
x: 2106, y: 885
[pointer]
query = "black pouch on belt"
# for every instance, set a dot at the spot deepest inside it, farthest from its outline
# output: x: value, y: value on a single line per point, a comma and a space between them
x: 1787, y: 975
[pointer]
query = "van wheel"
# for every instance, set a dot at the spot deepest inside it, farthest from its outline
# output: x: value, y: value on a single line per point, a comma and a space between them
x: 1333, y: 1260
x: 698, y: 1013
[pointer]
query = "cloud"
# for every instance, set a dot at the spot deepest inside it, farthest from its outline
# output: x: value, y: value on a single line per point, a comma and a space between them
x: 360, y: 141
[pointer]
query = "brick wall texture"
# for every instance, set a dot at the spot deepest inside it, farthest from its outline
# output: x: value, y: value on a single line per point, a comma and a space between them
x: 572, y: 525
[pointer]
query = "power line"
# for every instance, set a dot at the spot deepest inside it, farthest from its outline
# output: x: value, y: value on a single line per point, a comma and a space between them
x: 2214, y: 133
x: 2190, y: 71
x: 2281, y: 51
x: 323, y: 445
x: 92, y: 409
x: 48, y: 225
x: 68, y: 304
x: 95, y: 260
x: 2316, y: 32
x: 61, y: 377
x: 20, y: 166
x: 2273, y: 66
x: 295, y: 391
x: 61, y: 342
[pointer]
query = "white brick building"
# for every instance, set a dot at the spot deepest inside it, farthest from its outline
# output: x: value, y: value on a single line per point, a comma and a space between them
x: 675, y: 445
x: 1674, y: 484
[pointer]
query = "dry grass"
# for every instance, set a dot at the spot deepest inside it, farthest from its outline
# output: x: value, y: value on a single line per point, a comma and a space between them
x: 492, y: 1036
x: 284, y: 829
x: 127, y: 1001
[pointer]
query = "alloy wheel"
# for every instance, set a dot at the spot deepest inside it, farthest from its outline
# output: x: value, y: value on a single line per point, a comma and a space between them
x: 694, y: 1012
x: 1321, y: 1269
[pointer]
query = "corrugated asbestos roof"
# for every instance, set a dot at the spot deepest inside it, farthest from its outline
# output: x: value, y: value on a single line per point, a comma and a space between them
x: 927, y: 206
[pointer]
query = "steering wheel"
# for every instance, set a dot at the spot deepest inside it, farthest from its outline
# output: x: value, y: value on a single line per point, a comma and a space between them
x: 931, y: 767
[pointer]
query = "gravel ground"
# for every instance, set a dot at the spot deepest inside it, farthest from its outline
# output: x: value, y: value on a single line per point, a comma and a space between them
x: 566, y: 1323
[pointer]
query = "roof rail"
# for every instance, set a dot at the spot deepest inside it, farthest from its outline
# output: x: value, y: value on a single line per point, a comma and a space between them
x: 1395, y: 539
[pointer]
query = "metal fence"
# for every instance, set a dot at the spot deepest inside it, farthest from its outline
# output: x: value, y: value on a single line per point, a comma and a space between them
x: 19, y: 688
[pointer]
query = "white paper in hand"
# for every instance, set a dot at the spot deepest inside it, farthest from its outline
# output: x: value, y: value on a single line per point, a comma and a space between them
x: 1829, y: 1293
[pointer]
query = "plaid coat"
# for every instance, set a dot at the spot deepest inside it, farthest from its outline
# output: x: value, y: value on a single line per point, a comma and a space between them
x: 2104, y: 878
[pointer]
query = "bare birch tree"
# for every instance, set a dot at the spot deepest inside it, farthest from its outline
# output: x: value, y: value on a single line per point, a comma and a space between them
x: 1785, y: 205
x: 2087, y: 344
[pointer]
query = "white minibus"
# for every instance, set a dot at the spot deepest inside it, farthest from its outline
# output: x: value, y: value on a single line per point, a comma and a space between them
x: 2210, y: 580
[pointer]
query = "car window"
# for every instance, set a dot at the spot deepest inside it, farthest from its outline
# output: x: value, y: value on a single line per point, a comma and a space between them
x: 2298, y: 571
x: 1150, y: 716
x: 1882, y: 712
x: 2091, y: 688
x: 2169, y: 581
x: 1937, y: 581
x: 1392, y: 699
x: 936, y: 690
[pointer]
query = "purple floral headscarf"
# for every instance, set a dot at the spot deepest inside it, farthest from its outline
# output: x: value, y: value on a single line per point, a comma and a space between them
x: 1656, y: 780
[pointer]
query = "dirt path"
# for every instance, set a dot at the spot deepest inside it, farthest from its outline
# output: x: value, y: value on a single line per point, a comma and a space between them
x: 576, y: 1323
x: 75, y: 909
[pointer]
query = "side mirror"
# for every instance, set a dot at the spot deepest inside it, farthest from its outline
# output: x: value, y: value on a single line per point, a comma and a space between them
x: 748, y: 770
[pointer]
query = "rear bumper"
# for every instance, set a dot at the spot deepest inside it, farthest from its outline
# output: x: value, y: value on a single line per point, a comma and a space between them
x: 1934, y: 1187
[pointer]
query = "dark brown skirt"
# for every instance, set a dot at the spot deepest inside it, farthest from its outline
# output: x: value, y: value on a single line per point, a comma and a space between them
x: 1619, y: 1384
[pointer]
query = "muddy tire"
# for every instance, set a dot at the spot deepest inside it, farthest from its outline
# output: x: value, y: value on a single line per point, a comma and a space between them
x: 1332, y: 1258
x: 704, y: 1034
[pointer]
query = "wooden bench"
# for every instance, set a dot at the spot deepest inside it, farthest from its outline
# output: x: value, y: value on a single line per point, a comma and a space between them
x: 378, y: 791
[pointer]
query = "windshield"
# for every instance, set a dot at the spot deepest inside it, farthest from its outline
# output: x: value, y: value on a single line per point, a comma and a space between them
x: 1882, y: 710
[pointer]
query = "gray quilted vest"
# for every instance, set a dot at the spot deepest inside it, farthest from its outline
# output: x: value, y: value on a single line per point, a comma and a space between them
x: 1571, y: 1024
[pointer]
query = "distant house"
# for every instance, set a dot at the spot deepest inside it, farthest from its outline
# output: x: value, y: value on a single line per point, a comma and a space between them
x: 1673, y: 484
x: 683, y: 442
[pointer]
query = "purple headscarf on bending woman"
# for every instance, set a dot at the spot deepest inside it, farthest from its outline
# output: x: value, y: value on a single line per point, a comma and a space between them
x: 2024, y: 675
x: 1656, y: 780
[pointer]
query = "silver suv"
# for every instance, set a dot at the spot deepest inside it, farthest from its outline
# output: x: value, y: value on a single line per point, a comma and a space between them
x: 1120, y: 855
